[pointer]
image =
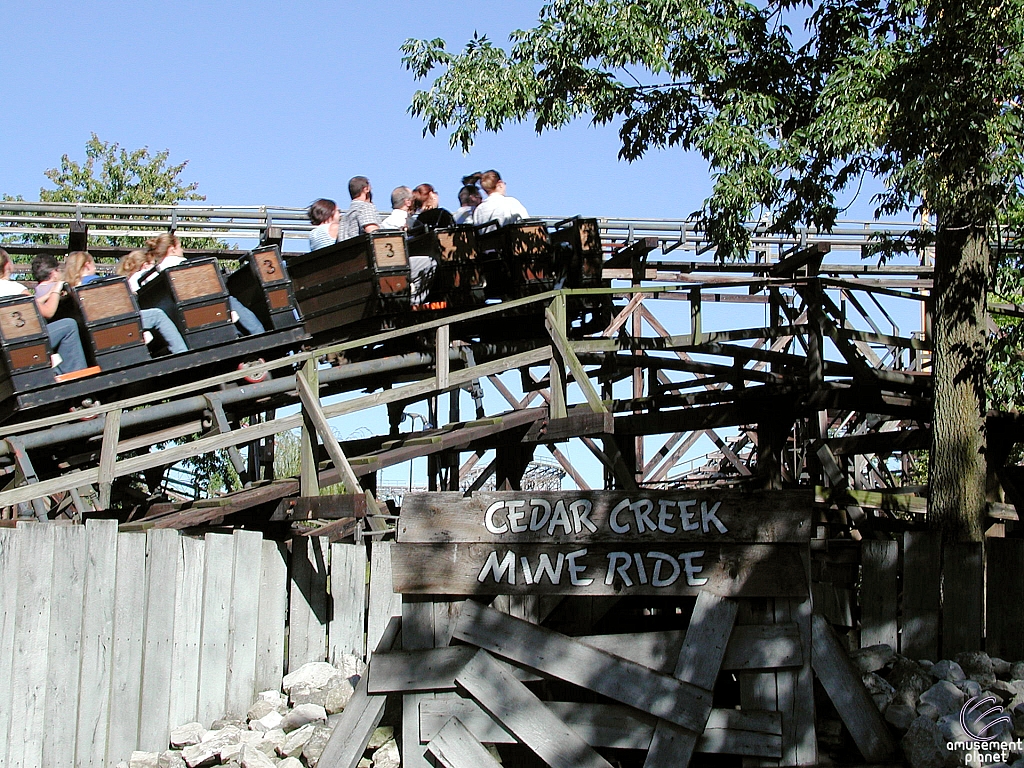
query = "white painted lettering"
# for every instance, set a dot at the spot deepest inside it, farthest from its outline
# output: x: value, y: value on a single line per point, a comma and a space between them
x: 575, y: 570
x: 498, y: 570
x: 618, y: 561
x: 581, y: 509
x: 525, y: 563
x: 489, y: 518
x: 708, y: 516
x: 537, y: 524
x: 689, y: 524
x: 641, y: 571
x: 560, y: 518
x: 613, y: 519
x: 660, y: 558
x: 664, y: 516
x: 516, y: 513
x: 642, y: 509
x: 692, y: 569
x: 544, y: 566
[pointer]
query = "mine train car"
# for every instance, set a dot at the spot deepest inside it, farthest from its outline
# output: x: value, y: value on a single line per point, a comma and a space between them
x: 374, y: 282
x: 355, y: 287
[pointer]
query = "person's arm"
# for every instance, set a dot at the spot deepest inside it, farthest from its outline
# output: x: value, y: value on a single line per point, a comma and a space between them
x: 49, y: 301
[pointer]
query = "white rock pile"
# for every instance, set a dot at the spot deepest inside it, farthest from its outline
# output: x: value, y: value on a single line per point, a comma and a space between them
x: 923, y: 700
x: 288, y: 730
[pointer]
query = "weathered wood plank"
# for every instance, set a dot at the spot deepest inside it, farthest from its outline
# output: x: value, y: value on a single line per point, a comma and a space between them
x: 307, y: 608
x: 385, y: 603
x: 880, y: 560
x: 1005, y: 595
x: 843, y: 685
x: 564, y: 658
x: 524, y: 715
x: 432, y: 669
x: 361, y: 715
x: 64, y: 646
x: 754, y: 646
x: 417, y: 634
x: 348, y: 592
x: 188, y: 614
x: 273, y: 615
x: 921, y: 579
x: 733, y: 570
x: 963, y: 583
x: 159, y: 639
x: 32, y: 618
x: 213, y: 654
x: 121, y: 734
x: 799, y: 737
x: 582, y: 517
x: 455, y: 747
x: 10, y: 573
x: 729, y: 731
x: 758, y: 691
x: 698, y: 664
x: 244, y: 623
x: 94, y: 691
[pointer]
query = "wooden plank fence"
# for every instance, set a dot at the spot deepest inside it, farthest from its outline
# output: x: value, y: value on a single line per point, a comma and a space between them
x: 108, y: 640
x: 930, y: 600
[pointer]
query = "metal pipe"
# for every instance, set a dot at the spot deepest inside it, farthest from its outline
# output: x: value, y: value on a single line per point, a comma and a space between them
x: 175, y: 409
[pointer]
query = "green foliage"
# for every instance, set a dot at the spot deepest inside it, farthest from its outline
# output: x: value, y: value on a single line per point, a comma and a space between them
x: 113, y: 175
x: 925, y: 96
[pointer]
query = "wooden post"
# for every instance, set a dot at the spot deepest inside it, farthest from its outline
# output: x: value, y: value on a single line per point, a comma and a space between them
x: 557, y: 369
x: 309, y: 482
x: 880, y: 562
x: 108, y: 454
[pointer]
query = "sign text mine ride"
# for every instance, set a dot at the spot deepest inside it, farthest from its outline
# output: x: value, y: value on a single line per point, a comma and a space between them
x: 604, y: 542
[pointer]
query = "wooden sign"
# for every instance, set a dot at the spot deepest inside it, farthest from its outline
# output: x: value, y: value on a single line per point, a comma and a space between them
x: 743, y: 570
x: 578, y: 517
x: 604, y: 543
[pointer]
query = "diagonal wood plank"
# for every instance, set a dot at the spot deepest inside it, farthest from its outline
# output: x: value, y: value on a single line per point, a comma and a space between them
x: 699, y: 663
x: 562, y: 657
x: 361, y: 715
x: 524, y: 715
x: 729, y: 731
x: 455, y: 747
x: 843, y: 685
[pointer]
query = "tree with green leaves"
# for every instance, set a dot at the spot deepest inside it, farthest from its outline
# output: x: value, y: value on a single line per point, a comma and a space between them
x: 923, y: 95
x: 113, y: 175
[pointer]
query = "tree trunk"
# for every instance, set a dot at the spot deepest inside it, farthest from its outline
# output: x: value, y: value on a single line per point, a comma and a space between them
x: 958, y: 462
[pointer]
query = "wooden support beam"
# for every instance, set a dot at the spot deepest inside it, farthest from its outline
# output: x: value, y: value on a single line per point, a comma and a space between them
x: 314, y: 414
x: 108, y: 455
x: 309, y: 484
x: 441, y: 362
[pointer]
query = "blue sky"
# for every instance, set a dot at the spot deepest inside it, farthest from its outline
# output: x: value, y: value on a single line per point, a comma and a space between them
x: 281, y: 103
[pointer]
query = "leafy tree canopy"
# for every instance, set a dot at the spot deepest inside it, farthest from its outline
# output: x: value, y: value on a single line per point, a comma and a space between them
x: 125, y: 177
x: 113, y: 175
x: 925, y: 96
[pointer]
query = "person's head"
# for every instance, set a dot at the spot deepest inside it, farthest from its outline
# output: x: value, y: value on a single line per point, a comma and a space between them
x: 359, y: 188
x: 424, y: 198
x: 322, y: 210
x: 6, y: 265
x: 131, y: 263
x: 163, y: 245
x: 77, y: 265
x: 401, y: 199
x: 470, y: 195
x: 491, y: 182
x: 44, y: 268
